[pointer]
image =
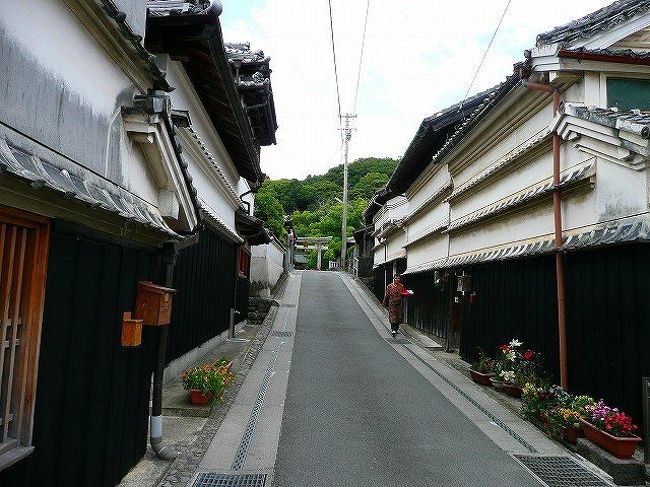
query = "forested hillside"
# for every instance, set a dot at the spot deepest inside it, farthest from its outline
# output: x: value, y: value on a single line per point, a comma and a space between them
x: 314, y: 203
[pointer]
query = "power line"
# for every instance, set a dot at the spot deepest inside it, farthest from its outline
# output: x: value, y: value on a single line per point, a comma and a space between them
x: 363, y: 43
x: 336, y: 75
x: 480, y: 65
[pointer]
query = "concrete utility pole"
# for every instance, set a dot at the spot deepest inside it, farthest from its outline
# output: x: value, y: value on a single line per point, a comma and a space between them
x: 347, y: 133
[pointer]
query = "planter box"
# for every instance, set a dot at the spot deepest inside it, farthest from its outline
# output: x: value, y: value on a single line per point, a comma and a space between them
x: 481, y: 378
x: 510, y: 389
x: 620, y: 447
x: 572, y: 434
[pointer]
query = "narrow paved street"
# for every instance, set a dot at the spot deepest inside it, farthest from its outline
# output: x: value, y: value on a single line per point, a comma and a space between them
x: 358, y: 414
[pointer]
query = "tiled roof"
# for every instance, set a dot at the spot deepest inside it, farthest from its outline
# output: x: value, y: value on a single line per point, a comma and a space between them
x: 162, y: 8
x: 491, y: 98
x: 636, y: 229
x: 120, y: 18
x: 567, y: 177
x: 582, y: 53
x: 501, y: 164
x: 592, y: 24
x: 77, y: 183
x: 216, y: 220
x: 633, y: 121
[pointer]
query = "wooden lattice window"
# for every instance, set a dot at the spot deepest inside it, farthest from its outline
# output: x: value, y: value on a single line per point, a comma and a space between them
x: 24, y: 240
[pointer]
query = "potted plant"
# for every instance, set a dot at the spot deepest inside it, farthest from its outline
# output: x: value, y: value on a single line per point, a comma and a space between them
x: 204, y: 383
x: 506, y: 365
x: 610, y: 429
x: 482, y: 369
x: 539, y: 402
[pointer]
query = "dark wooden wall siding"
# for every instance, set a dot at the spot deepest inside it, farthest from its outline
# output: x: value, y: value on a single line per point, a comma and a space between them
x: 515, y: 299
x: 204, y: 277
x: 428, y: 308
x: 92, y: 400
x: 378, y: 282
x: 608, y: 317
x: 608, y: 324
x: 243, y: 294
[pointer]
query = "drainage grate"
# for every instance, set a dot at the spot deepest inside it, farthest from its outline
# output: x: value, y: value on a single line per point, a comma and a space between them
x: 561, y: 471
x: 230, y: 480
x: 278, y: 333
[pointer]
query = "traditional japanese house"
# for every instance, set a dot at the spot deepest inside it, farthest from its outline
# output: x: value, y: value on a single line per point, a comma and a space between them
x: 224, y: 104
x: 545, y: 185
x: 94, y: 193
x: 100, y: 163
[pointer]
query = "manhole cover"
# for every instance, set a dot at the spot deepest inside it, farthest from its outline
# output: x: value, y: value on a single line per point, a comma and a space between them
x: 230, y: 480
x: 561, y: 471
x: 278, y: 333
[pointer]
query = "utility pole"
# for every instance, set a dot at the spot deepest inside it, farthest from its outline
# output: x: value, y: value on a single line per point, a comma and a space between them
x: 347, y: 134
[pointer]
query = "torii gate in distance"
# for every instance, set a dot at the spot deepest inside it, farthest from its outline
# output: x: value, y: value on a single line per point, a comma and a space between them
x: 314, y: 243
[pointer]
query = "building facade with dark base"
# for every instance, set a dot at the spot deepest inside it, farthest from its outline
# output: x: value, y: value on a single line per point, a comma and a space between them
x: 112, y: 182
x: 529, y: 217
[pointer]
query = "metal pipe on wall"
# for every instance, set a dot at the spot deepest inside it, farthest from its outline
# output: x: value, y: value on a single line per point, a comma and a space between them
x: 162, y: 450
x: 558, y: 240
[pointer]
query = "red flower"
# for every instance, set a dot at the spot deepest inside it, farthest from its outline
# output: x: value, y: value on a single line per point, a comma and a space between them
x: 504, y: 347
x: 528, y: 355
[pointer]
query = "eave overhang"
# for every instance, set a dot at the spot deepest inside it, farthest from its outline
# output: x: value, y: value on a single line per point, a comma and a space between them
x: 196, y: 41
x: 251, y: 228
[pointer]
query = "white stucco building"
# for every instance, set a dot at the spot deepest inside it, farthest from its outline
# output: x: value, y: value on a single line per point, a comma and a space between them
x: 505, y: 236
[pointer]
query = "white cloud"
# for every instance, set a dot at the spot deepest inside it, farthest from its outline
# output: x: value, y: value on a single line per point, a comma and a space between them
x: 420, y: 57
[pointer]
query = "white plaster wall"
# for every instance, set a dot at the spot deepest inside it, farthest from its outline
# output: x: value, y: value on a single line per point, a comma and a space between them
x: 60, y: 87
x: 428, y: 184
x: 184, y: 97
x: 534, y: 222
x: 139, y: 177
x: 266, y: 265
x: 396, y: 241
x: 426, y: 219
x: 620, y: 191
x: 428, y: 250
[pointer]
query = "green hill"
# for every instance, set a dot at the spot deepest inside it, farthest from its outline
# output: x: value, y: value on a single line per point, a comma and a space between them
x: 312, y: 202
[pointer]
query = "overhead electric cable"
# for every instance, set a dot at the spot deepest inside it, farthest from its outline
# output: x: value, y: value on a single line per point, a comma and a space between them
x: 363, y: 43
x: 480, y: 65
x: 336, y: 74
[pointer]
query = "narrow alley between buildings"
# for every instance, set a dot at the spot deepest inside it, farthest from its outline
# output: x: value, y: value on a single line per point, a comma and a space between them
x: 333, y: 400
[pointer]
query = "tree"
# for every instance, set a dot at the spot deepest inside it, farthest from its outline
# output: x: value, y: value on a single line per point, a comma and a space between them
x: 368, y: 185
x: 269, y: 209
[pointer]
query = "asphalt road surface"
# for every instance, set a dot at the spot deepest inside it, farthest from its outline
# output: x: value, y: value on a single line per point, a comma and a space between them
x: 357, y: 414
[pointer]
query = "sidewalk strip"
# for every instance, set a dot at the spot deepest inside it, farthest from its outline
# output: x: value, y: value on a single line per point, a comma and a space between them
x: 242, y: 451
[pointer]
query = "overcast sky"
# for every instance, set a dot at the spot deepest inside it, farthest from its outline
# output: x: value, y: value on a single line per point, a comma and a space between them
x: 420, y: 56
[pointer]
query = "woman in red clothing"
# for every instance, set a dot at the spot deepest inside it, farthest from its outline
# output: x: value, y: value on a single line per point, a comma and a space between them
x: 394, y: 301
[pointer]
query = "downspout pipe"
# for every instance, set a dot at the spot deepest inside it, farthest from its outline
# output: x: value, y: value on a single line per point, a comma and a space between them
x: 557, y: 220
x: 163, y: 450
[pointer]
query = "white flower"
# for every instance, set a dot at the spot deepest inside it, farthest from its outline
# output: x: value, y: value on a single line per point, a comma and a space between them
x: 508, y: 375
x: 511, y: 355
x: 514, y: 343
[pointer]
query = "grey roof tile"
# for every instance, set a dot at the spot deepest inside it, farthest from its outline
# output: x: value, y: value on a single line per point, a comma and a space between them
x: 86, y: 189
x: 592, y: 24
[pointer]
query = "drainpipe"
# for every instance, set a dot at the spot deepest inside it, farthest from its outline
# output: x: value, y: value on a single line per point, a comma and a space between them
x: 557, y: 217
x: 162, y: 450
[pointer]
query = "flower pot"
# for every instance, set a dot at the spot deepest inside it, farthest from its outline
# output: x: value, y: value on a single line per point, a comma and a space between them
x: 481, y: 378
x: 571, y: 434
x: 198, y: 398
x: 620, y: 447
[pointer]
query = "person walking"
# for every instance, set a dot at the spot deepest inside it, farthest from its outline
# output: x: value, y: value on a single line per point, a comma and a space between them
x: 394, y: 301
